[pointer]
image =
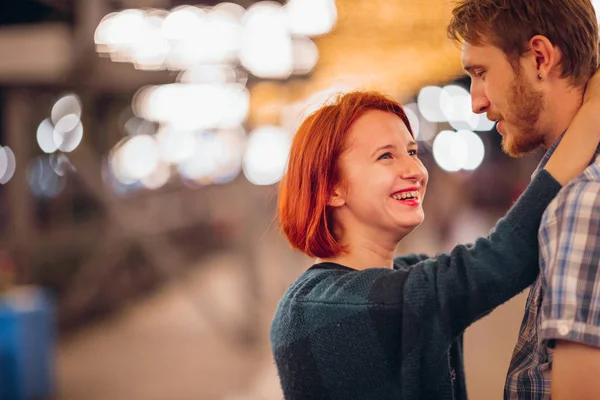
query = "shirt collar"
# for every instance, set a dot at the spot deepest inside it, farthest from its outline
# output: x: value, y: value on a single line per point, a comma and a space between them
x: 550, y: 151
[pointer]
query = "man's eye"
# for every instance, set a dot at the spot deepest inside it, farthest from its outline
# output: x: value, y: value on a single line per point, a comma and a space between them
x: 413, y: 152
x: 479, y: 74
x: 385, y: 156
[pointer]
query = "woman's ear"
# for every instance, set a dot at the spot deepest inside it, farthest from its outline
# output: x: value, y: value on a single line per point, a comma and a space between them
x: 337, y: 198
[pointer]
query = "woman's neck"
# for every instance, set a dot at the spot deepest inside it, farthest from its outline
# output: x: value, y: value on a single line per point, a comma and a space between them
x: 364, y: 256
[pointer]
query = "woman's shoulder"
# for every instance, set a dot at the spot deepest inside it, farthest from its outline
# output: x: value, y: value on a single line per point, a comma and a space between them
x: 333, y: 284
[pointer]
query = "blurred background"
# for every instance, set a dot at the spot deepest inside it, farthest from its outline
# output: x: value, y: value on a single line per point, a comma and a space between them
x: 142, y: 142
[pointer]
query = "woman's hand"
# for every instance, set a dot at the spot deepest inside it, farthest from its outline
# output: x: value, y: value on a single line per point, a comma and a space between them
x: 578, y: 145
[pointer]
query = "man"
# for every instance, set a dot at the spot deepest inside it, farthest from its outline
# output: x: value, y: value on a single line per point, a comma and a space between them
x: 529, y: 61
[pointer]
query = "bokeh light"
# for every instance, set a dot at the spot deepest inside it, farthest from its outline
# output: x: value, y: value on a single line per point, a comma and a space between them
x: 175, y: 145
x: 45, y: 137
x: 450, y: 151
x: 204, y: 162
x: 413, y: 119
x: 194, y: 106
x: 60, y: 163
x: 266, y: 155
x: 311, y: 17
x: 69, y: 104
x: 11, y: 165
x: 158, y: 178
x: 429, y: 102
x: 425, y: 130
x: 43, y: 180
x: 136, y: 158
x: 475, y: 149
x: 305, y: 55
x: 454, y: 151
x: 267, y: 49
x: 68, y: 133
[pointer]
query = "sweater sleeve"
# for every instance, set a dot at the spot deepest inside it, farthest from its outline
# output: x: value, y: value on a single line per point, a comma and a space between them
x: 407, y: 260
x: 470, y: 281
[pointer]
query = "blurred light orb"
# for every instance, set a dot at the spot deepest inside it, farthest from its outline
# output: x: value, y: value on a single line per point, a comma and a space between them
x: 68, y: 133
x: 230, y: 10
x: 118, y: 183
x: 311, y: 17
x: 3, y: 161
x: 223, y: 35
x: 596, y: 4
x: 266, y: 155
x: 413, y: 119
x: 158, y: 178
x: 200, y: 37
x: 426, y: 130
x: 103, y: 37
x: 452, y: 103
x: 60, y: 163
x: 429, y: 102
x: 213, y: 74
x: 194, y: 106
x: 455, y: 103
x: 450, y: 151
x: 305, y: 55
x: 475, y: 149
x: 138, y: 157
x: 139, y: 126
x: 129, y: 26
x: 124, y: 29
x: 151, y: 50
x: 45, y: 137
x: 484, y: 124
x: 204, y: 163
x: 42, y: 179
x: 267, y: 51
x: 182, y: 23
x: 11, y: 165
x: 232, y: 143
x: 175, y: 145
x: 69, y: 104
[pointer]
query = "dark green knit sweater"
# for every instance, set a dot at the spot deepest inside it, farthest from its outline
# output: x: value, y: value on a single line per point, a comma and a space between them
x: 385, y: 334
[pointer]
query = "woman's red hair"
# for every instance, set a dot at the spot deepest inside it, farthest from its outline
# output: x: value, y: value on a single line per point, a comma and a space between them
x: 313, y: 172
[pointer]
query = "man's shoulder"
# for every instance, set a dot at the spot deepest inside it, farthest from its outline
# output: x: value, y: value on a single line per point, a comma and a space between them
x: 592, y: 173
x: 579, y: 199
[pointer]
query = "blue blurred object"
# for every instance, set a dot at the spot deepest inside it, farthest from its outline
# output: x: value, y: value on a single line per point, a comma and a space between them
x: 27, y: 340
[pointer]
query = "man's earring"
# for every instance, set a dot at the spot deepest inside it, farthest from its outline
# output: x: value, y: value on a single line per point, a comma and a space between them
x: 540, y: 77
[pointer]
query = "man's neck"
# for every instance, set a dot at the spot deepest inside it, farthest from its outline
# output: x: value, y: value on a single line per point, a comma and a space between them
x: 560, y: 110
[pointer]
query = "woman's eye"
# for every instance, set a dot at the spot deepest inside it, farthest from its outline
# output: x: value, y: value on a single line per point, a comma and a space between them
x: 479, y: 74
x: 385, y: 156
x: 413, y: 152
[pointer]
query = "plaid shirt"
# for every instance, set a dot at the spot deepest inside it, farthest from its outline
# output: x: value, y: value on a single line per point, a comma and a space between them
x: 564, y: 302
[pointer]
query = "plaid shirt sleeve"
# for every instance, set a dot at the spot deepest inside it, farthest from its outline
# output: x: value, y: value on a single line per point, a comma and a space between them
x: 570, y: 256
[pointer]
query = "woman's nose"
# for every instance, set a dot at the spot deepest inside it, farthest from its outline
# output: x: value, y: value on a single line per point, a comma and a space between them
x: 412, y: 170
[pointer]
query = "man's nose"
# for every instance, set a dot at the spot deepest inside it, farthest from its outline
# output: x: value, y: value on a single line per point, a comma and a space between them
x: 479, y: 101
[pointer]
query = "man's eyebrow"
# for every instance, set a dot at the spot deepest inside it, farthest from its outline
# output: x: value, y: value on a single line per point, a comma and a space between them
x: 470, y: 67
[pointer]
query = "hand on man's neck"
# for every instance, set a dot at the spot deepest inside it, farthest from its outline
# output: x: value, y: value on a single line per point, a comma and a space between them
x: 562, y: 105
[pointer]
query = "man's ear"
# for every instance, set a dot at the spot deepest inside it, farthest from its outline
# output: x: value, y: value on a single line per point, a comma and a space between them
x: 545, y: 54
x: 337, y: 198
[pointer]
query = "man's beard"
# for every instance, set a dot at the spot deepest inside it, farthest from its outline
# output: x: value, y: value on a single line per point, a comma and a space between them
x: 522, y: 114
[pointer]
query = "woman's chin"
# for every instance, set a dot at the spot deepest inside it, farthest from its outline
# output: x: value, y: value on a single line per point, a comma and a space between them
x: 405, y: 227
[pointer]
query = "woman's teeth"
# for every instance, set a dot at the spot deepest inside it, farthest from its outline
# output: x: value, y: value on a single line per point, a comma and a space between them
x: 406, y: 195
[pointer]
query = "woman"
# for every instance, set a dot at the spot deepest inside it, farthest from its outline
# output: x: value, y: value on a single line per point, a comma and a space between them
x: 359, y: 324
